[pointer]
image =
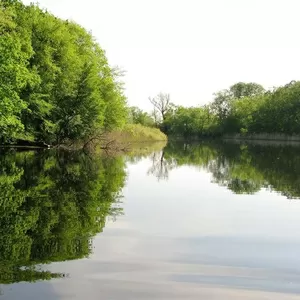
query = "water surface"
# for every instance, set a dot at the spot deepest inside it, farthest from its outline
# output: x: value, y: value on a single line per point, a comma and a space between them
x: 193, y: 221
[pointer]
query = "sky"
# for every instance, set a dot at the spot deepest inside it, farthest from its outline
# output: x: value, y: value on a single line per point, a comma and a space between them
x: 191, y: 48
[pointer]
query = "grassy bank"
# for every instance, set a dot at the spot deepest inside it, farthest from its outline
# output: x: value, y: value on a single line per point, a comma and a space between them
x: 136, y: 133
x: 131, y: 138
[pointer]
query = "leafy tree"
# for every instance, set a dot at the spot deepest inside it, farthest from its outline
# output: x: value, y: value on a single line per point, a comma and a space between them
x: 279, y: 111
x: 55, y: 80
x: 137, y: 116
x: 14, y: 75
x: 192, y: 122
x: 242, y: 89
x: 221, y: 104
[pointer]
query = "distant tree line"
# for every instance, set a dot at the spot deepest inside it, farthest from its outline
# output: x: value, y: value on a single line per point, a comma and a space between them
x: 244, y: 108
x: 55, y: 81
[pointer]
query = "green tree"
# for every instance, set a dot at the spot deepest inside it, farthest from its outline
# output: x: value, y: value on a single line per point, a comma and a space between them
x: 242, y: 89
x: 192, y: 122
x: 222, y: 104
x: 14, y: 75
x: 55, y: 80
x: 137, y: 116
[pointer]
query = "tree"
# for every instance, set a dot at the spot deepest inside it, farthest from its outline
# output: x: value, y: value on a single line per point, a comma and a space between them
x: 221, y: 104
x: 14, y: 75
x: 162, y: 104
x: 155, y: 116
x: 192, y: 122
x: 137, y: 116
x: 223, y: 99
x: 242, y: 89
x: 55, y: 81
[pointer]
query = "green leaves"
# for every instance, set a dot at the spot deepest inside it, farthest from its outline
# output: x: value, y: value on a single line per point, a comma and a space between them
x: 137, y: 116
x: 244, y: 108
x: 55, y: 81
x: 191, y: 122
x: 13, y: 76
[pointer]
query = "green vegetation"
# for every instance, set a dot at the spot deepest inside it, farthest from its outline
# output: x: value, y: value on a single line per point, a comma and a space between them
x: 55, y: 82
x: 245, y: 108
x: 56, y: 87
x: 242, y: 168
x: 137, y: 116
x: 51, y: 205
x: 134, y: 133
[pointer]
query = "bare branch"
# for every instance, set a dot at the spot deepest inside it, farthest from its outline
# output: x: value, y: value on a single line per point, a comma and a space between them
x: 162, y: 103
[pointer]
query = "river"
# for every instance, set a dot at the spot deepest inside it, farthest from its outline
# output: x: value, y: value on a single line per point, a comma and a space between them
x: 191, y: 221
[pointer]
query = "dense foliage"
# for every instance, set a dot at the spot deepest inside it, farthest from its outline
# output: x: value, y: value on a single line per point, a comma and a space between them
x: 138, y: 116
x: 245, y: 108
x: 51, y: 205
x: 242, y: 168
x: 55, y: 81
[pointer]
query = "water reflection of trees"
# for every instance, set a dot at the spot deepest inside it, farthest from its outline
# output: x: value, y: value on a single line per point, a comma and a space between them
x: 161, y: 167
x: 241, y: 168
x: 51, y: 205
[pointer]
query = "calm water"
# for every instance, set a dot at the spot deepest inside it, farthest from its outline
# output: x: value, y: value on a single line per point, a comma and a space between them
x: 203, y: 221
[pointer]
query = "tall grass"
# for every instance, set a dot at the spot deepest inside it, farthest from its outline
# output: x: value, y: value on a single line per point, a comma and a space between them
x: 135, y: 133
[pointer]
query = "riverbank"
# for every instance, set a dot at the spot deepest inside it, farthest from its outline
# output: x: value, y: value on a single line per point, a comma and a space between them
x: 253, y: 138
x: 133, y: 133
x: 264, y: 137
x: 127, y: 139
x: 132, y: 139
